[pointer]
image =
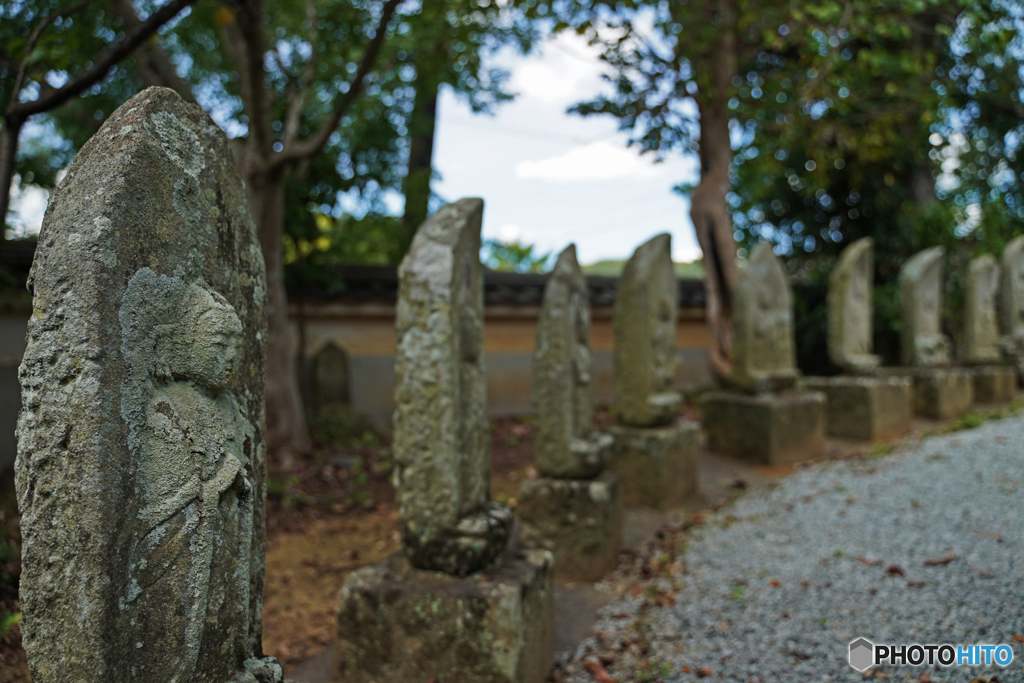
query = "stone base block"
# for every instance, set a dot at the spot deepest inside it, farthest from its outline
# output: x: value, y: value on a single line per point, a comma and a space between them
x: 994, y: 384
x: 578, y: 520
x: 658, y: 464
x: 397, y: 624
x: 772, y: 429
x: 939, y: 393
x: 866, y: 408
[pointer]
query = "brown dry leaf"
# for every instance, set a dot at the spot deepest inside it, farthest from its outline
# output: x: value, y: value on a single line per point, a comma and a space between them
x: 983, y: 573
x: 703, y: 672
x: 597, y: 670
x: 637, y: 590
x: 686, y: 669
x: 1018, y: 638
x: 774, y: 582
x: 991, y: 535
x: 869, y: 561
x: 925, y: 677
x: 939, y: 561
x: 894, y: 570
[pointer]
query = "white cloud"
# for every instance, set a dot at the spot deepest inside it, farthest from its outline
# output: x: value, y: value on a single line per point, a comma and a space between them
x: 594, y: 161
x: 565, y: 71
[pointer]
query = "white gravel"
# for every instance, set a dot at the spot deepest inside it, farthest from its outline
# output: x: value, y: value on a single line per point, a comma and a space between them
x: 831, y: 537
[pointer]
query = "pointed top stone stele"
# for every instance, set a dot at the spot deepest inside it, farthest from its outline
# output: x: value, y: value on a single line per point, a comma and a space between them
x: 644, y: 320
x: 441, y: 438
x: 763, y: 354
x: 563, y: 407
x: 922, y: 343
x: 850, y: 308
x: 141, y: 456
x: 981, y: 329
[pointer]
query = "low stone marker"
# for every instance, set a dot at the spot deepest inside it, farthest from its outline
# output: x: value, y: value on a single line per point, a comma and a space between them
x: 940, y: 392
x: 454, y: 605
x: 994, y: 381
x: 766, y: 418
x: 1011, y: 305
x: 574, y: 509
x: 654, y: 451
x: 861, y: 405
x: 141, y: 455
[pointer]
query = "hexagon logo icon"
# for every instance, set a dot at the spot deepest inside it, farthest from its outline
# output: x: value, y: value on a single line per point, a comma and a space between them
x: 862, y: 654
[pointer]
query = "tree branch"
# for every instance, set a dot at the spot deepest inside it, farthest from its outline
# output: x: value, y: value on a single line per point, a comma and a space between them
x: 31, y: 44
x: 154, y: 66
x: 307, y: 148
x: 297, y: 92
x: 108, y: 58
x: 248, y: 48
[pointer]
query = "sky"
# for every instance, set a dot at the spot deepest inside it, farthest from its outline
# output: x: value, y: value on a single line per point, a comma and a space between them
x: 547, y: 178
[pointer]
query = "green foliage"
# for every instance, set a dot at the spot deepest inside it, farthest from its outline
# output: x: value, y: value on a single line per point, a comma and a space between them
x: 514, y: 257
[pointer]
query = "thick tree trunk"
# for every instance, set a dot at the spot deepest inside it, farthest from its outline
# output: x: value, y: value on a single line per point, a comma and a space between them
x: 287, y: 433
x: 709, y: 209
x: 8, y: 151
x: 416, y: 186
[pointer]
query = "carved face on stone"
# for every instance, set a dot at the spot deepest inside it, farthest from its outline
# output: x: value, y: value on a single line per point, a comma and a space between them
x: 216, y: 349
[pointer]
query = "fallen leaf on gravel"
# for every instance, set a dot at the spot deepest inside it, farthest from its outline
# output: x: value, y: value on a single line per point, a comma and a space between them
x: 703, y: 672
x: 869, y: 561
x: 686, y: 669
x: 598, y: 671
x: 915, y: 584
x: 939, y: 561
x: 925, y: 678
x: 991, y: 535
x: 774, y: 582
x: 894, y: 570
x: 637, y: 590
x: 1018, y: 638
x: 983, y: 573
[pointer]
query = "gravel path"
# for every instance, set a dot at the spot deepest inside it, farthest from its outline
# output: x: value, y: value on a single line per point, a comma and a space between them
x: 922, y: 546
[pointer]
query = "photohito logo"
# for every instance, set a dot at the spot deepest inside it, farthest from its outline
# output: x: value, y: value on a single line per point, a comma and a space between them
x: 864, y: 654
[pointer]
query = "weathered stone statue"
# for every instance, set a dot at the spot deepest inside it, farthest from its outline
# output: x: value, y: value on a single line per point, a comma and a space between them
x: 940, y: 391
x: 572, y: 509
x: 645, y: 317
x: 1011, y: 304
x: 763, y: 355
x: 453, y: 606
x: 850, y: 309
x: 921, y: 339
x: 141, y: 458
x: 655, y: 452
x: 862, y: 404
x: 981, y: 329
x: 767, y: 421
x: 441, y: 440
x: 995, y: 379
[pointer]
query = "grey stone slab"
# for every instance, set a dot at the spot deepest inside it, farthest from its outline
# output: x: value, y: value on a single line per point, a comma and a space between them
x: 763, y: 353
x: 922, y: 343
x: 565, y: 444
x: 866, y: 408
x: 939, y: 393
x: 658, y: 464
x: 578, y: 520
x: 994, y: 384
x: 850, y: 308
x: 141, y: 455
x: 981, y: 329
x: 1011, y: 304
x: 644, y: 321
x: 398, y: 624
x: 441, y: 439
x: 771, y: 429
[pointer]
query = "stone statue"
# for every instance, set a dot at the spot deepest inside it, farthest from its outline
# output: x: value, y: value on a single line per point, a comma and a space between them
x: 141, y: 468
x: 564, y: 443
x: 644, y: 319
x: 850, y: 309
x: 1011, y: 303
x: 764, y: 358
x: 921, y: 338
x: 441, y: 440
x: 981, y: 330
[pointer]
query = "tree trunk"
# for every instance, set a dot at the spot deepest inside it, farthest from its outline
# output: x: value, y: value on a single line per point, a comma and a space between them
x: 8, y: 151
x: 422, y: 125
x: 709, y: 209
x: 287, y: 433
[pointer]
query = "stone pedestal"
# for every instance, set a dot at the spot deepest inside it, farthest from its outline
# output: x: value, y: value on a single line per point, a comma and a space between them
x: 867, y: 408
x: 398, y: 624
x: 773, y: 429
x: 939, y: 393
x: 994, y: 384
x: 658, y: 464
x: 578, y: 520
